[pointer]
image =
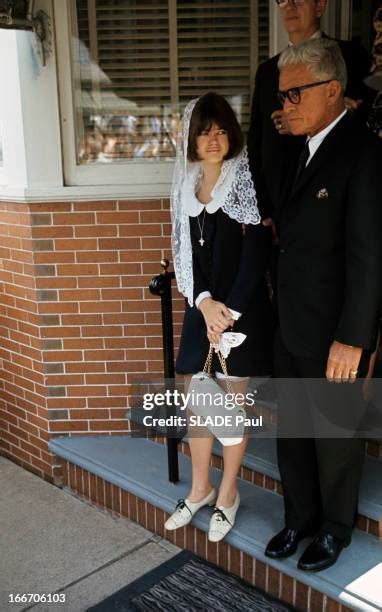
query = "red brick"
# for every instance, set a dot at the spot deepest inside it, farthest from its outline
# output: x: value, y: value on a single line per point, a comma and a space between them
x: 103, y: 402
x: 154, y: 216
x: 108, y: 425
x: 98, y: 282
x: 301, y: 601
x: 64, y: 426
x: 117, y: 217
x: 125, y: 505
x: 273, y: 582
x: 260, y: 575
x: 235, y: 561
x: 94, y: 206
x: 108, y: 495
x: 81, y: 244
x: 223, y: 559
x: 85, y: 367
x: 190, y: 538
x: 87, y: 231
x: 100, y: 491
x: 316, y: 601
x: 52, y: 232
x: 152, y: 204
x: 85, y: 218
x: 91, y: 256
x: 88, y: 307
x: 50, y: 206
x: 332, y: 606
x: 115, y: 493
x: 135, y: 255
x: 120, y: 269
x: 52, y: 308
x: 134, y: 508
x: 55, y: 283
x: 54, y: 257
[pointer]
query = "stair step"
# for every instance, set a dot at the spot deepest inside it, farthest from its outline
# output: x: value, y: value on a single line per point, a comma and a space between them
x: 261, y: 457
x: 259, y: 466
x: 139, y: 466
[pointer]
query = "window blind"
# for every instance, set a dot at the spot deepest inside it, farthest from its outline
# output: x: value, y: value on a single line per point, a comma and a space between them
x: 141, y: 61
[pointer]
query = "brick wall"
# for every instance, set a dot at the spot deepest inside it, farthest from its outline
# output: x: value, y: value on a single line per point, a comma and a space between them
x: 77, y: 318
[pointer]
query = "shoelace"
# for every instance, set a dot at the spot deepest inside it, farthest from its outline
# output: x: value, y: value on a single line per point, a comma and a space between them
x: 182, y: 504
x: 220, y: 515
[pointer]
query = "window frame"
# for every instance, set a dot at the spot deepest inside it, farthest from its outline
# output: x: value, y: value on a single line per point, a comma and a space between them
x: 149, y: 178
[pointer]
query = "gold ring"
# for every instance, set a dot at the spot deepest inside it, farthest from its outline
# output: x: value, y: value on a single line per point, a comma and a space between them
x: 354, y: 372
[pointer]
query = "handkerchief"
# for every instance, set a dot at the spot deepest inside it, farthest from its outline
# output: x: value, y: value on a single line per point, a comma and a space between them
x: 227, y: 341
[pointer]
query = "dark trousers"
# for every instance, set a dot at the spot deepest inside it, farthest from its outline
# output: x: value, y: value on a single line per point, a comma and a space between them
x: 320, y: 472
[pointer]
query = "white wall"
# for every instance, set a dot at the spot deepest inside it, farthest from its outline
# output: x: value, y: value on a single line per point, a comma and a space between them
x: 30, y: 115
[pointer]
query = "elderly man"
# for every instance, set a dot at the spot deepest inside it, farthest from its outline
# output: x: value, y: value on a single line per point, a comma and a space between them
x: 330, y: 228
x: 270, y: 147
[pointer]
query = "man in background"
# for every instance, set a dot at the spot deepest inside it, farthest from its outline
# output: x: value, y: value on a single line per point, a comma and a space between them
x: 271, y: 148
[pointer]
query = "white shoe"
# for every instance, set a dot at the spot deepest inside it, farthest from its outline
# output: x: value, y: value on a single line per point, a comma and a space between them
x: 222, y: 521
x: 185, y: 510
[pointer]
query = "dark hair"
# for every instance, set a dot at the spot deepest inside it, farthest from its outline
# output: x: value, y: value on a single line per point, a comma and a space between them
x: 213, y: 108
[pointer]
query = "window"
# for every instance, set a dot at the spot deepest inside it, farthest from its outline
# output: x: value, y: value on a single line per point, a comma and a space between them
x: 136, y: 63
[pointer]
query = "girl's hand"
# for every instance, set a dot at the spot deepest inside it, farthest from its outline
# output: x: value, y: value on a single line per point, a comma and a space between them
x: 213, y: 338
x: 217, y: 318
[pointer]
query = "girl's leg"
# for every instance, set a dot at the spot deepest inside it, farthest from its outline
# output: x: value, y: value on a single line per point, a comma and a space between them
x: 200, y: 443
x: 232, y: 456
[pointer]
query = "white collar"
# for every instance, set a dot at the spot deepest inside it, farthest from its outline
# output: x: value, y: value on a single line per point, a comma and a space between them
x: 192, y: 206
x: 316, y: 140
x: 317, y: 34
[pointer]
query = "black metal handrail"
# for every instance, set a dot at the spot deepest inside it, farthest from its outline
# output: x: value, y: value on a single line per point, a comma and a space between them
x: 161, y: 285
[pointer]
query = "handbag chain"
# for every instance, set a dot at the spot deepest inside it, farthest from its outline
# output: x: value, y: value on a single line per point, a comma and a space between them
x: 208, y: 365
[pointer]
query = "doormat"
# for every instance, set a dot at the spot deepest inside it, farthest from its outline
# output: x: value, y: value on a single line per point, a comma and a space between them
x: 185, y: 583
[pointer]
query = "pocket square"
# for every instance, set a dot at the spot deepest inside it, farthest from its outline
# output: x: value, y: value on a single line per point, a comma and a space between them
x: 322, y: 193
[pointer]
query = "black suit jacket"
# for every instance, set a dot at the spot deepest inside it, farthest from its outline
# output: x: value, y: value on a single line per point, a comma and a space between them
x: 271, y: 154
x: 330, y: 230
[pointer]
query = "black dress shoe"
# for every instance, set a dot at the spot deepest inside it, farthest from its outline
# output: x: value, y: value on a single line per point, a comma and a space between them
x: 322, y: 552
x: 284, y: 544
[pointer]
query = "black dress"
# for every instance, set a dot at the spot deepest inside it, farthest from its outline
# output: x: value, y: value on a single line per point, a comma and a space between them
x: 231, y: 266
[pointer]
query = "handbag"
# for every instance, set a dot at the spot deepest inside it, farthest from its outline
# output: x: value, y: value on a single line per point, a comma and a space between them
x: 215, y: 408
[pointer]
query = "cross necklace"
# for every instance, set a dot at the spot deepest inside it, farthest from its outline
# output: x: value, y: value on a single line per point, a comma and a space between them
x: 201, y: 227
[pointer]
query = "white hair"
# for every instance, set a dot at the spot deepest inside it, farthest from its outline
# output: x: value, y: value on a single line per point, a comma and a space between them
x: 323, y: 57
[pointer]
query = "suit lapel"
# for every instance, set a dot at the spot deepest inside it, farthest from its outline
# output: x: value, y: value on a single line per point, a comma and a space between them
x: 326, y: 151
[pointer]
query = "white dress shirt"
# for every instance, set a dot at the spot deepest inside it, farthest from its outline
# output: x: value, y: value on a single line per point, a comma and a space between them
x: 315, y: 141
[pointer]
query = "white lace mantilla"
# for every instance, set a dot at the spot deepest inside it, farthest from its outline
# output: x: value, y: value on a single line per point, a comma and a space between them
x: 234, y: 192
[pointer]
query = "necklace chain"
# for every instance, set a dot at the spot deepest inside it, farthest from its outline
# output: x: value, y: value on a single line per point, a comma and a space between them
x: 201, y: 227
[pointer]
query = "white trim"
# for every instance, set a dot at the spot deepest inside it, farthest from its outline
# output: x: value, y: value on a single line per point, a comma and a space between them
x: 278, y: 38
x: 85, y: 192
x: 148, y: 178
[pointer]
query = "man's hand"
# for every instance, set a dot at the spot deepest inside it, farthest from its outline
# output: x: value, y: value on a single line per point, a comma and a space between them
x: 217, y: 318
x: 280, y: 119
x: 268, y: 222
x: 343, y: 362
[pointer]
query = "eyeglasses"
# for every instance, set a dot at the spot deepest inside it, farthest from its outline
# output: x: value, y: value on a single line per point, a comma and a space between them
x: 294, y: 93
x: 283, y: 3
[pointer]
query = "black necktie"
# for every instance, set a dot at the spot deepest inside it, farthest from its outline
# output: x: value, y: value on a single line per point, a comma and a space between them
x: 304, y: 156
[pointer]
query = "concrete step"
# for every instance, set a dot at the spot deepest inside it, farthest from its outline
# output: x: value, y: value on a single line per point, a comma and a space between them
x: 259, y: 466
x: 139, y: 467
x: 260, y: 459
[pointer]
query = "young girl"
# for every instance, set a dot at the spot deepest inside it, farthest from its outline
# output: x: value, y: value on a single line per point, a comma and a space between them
x: 220, y: 251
